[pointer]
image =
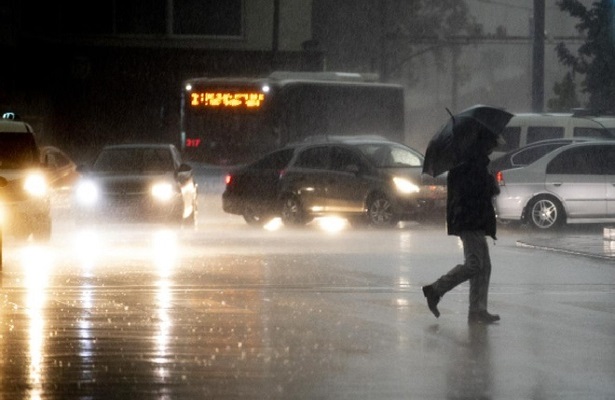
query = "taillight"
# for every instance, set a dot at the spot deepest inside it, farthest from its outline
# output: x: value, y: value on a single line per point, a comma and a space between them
x: 228, y: 179
x: 499, y: 178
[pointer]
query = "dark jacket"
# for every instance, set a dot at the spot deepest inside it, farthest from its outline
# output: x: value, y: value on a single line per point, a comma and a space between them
x: 469, y: 201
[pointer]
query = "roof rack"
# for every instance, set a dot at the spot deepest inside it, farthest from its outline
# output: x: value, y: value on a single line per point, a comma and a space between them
x: 325, y: 76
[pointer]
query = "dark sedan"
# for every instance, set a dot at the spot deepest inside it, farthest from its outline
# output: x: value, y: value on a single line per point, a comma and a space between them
x: 366, y: 180
x: 138, y: 181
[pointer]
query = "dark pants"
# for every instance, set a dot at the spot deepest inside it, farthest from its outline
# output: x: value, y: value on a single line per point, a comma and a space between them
x: 476, y: 268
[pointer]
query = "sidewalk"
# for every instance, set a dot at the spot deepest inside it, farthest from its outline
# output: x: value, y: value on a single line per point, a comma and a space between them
x: 593, y: 245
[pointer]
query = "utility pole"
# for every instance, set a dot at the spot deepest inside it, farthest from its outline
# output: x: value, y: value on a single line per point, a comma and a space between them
x: 384, y: 62
x: 455, y: 51
x: 538, y: 57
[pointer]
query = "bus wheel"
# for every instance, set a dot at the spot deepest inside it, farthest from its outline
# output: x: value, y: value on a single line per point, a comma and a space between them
x: 292, y: 211
x: 380, y: 212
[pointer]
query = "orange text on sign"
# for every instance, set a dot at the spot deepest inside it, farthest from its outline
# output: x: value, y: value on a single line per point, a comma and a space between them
x: 227, y: 99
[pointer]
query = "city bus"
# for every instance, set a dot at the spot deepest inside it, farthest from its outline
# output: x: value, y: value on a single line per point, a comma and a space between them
x: 232, y: 121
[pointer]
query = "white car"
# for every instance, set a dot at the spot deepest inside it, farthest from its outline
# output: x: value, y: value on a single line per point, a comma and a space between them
x: 572, y: 184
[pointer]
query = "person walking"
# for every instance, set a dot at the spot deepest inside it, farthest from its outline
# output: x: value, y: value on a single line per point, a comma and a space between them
x: 471, y: 216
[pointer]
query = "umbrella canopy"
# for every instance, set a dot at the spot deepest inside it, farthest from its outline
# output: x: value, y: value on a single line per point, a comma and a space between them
x: 472, y: 131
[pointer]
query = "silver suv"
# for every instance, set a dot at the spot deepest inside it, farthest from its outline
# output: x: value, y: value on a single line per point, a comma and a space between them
x: 24, y: 197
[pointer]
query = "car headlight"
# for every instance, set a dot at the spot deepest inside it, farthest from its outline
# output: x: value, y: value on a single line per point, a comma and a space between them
x: 87, y: 193
x: 405, y: 186
x: 35, y: 185
x: 162, y: 191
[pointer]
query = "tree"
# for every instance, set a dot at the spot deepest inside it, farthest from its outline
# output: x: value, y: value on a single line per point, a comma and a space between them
x: 566, y: 93
x: 595, y: 58
x: 413, y: 28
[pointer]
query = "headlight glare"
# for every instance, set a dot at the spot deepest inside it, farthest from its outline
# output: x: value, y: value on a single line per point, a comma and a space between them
x: 87, y: 193
x: 162, y: 191
x: 405, y: 186
x: 35, y: 185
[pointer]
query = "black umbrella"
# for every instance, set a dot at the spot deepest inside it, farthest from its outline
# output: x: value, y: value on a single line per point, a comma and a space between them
x: 474, y: 130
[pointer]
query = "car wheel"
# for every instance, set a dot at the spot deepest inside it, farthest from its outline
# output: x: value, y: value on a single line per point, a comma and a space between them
x: 380, y: 212
x: 545, y: 213
x: 292, y: 211
x: 253, y: 218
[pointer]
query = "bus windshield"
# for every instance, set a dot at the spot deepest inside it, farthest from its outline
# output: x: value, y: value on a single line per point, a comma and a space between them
x: 225, y: 138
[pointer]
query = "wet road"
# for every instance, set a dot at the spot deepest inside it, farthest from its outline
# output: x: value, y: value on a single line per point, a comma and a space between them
x: 225, y: 311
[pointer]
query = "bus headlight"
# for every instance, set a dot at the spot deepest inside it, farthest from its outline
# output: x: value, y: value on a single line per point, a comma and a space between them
x: 405, y: 186
x: 35, y: 185
x: 87, y: 193
x: 162, y: 191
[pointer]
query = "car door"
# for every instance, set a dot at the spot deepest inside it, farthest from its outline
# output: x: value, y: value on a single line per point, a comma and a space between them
x: 307, y: 178
x: 609, y: 171
x: 258, y: 184
x: 575, y: 176
x: 347, y: 183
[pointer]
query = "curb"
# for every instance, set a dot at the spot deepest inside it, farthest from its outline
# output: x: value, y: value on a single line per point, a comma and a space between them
x: 569, y: 250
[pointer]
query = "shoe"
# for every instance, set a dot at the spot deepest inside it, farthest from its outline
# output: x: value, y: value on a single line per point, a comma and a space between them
x: 432, y: 299
x: 482, y: 317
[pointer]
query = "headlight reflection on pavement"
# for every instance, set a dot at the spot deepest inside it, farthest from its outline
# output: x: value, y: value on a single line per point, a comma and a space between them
x: 88, y: 246
x: 36, y: 262
x: 332, y: 224
x: 165, y: 254
x: 164, y: 251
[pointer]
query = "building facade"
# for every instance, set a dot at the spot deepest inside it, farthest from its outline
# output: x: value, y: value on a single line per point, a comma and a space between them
x: 88, y: 73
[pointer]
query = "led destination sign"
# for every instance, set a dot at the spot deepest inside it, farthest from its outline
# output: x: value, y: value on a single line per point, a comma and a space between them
x: 249, y: 100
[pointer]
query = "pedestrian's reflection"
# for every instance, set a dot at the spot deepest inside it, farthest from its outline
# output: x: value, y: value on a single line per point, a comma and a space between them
x: 469, y: 373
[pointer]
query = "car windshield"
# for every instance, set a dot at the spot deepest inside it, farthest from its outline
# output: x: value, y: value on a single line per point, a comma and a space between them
x: 17, y: 151
x: 385, y: 155
x: 131, y: 160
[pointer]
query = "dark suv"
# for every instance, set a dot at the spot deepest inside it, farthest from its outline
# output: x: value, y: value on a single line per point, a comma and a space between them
x: 367, y: 180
